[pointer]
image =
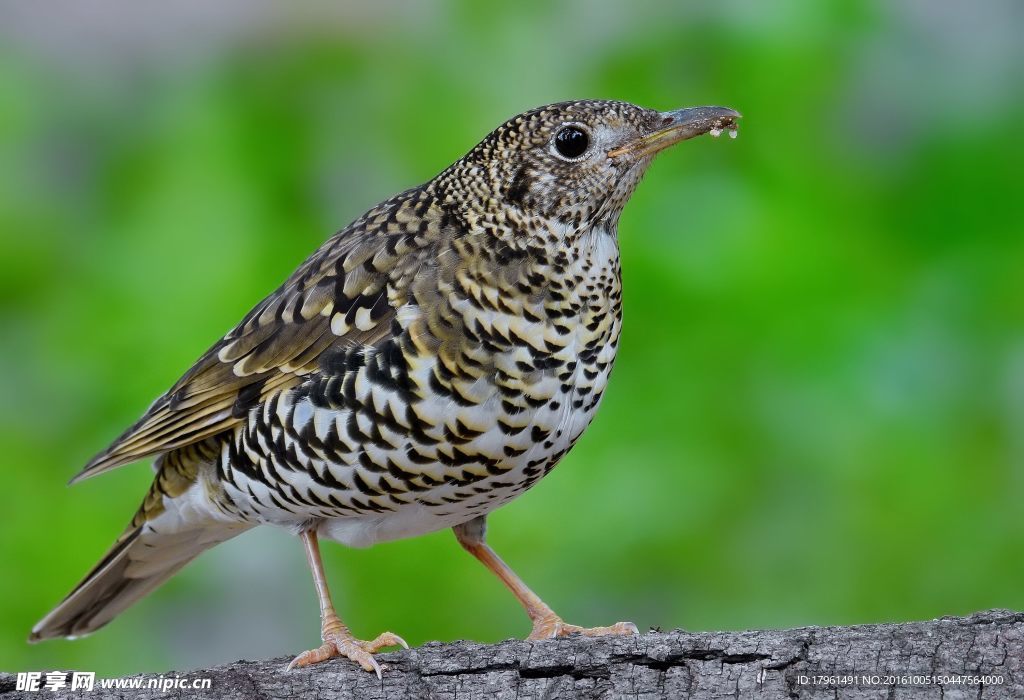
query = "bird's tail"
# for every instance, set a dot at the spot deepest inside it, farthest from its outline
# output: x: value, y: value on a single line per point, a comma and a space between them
x: 174, y: 525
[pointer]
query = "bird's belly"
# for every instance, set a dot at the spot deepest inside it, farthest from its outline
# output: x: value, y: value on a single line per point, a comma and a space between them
x: 431, y: 466
x: 485, y: 473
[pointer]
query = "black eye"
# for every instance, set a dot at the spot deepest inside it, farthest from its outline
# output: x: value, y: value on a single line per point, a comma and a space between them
x: 571, y: 142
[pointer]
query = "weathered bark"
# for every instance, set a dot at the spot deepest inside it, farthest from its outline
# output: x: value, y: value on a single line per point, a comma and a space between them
x: 942, y: 658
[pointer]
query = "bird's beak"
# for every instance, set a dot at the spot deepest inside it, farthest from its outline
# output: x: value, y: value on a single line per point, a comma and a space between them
x: 680, y: 125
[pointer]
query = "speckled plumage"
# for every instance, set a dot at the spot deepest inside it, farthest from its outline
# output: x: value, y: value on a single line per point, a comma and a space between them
x: 430, y: 362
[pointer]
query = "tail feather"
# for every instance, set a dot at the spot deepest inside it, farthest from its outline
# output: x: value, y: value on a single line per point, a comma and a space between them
x: 104, y: 592
x: 174, y: 525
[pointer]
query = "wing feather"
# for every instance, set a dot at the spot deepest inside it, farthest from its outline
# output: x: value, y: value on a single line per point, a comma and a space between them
x: 346, y: 293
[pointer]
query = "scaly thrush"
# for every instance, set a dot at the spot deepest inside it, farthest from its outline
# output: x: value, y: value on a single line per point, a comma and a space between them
x: 429, y: 363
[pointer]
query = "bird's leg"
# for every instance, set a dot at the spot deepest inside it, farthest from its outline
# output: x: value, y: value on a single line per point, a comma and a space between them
x: 338, y: 640
x: 546, y: 623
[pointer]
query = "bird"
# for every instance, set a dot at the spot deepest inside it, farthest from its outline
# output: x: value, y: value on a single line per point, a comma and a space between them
x: 427, y: 364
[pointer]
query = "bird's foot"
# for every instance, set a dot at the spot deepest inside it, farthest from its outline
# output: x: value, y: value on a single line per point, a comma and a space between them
x: 553, y: 626
x: 342, y: 643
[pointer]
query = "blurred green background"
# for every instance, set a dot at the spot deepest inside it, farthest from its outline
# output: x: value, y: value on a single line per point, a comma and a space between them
x: 817, y: 413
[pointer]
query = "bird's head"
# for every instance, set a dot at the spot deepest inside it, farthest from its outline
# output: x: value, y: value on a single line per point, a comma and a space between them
x: 574, y: 165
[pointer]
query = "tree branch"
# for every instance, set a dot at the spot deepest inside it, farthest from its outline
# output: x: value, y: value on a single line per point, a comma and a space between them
x: 946, y: 657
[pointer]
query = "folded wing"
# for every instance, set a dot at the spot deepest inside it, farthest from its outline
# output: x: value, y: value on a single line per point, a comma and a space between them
x: 346, y: 293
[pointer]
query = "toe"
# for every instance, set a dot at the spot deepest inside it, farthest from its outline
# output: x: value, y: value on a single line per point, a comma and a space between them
x: 357, y: 650
x: 549, y: 629
x: 626, y: 628
x: 364, y: 659
x: 313, y: 656
x: 619, y: 628
x: 383, y: 641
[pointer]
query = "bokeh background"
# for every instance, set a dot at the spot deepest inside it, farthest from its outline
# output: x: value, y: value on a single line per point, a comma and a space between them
x: 817, y: 416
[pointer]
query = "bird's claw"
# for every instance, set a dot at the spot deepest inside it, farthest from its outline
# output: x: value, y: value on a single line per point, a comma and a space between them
x: 341, y: 644
x: 551, y: 627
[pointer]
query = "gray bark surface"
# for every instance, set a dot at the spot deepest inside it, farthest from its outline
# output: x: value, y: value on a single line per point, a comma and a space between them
x: 945, y: 658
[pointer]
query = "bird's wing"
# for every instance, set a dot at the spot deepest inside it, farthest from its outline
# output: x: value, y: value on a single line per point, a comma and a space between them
x: 346, y: 293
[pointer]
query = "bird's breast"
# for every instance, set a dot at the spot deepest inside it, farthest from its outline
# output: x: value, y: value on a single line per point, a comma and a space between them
x: 495, y: 375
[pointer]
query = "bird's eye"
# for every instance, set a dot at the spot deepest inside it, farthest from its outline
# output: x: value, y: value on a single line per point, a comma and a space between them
x: 571, y: 142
